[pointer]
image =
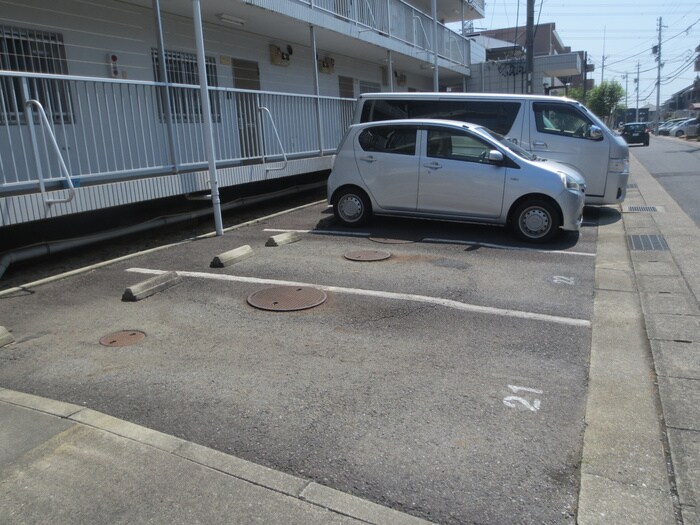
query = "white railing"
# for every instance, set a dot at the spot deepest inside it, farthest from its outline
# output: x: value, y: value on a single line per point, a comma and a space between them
x: 116, y: 129
x: 398, y: 20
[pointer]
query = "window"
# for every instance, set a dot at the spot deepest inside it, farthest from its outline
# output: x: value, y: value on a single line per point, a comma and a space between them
x: 389, y: 139
x: 185, y: 105
x: 31, y: 51
x: 369, y: 87
x: 498, y: 116
x: 445, y: 144
x: 346, y: 87
x: 559, y: 119
x: 246, y: 74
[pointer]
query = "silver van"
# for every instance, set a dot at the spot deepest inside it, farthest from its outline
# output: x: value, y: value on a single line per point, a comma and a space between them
x: 556, y: 128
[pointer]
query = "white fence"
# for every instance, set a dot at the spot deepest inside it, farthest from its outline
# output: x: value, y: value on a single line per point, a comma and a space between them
x: 112, y: 130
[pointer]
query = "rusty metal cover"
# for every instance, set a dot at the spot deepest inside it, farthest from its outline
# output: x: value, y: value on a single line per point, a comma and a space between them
x: 387, y: 240
x: 367, y: 255
x: 287, y: 298
x: 123, y: 338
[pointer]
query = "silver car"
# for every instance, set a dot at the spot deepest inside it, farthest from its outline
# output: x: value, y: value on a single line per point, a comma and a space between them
x: 448, y: 170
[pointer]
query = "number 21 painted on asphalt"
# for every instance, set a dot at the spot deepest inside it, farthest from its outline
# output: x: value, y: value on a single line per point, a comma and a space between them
x: 512, y: 401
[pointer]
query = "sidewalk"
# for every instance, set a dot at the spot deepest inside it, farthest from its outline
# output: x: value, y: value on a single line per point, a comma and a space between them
x: 63, y: 463
x: 641, y: 458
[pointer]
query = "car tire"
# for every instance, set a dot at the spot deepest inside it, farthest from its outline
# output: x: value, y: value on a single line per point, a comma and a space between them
x: 352, y: 207
x: 646, y: 143
x: 535, y: 220
x: 679, y: 133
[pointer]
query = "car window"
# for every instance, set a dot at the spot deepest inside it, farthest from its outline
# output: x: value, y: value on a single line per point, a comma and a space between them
x: 455, y: 145
x: 560, y: 119
x: 496, y: 115
x: 389, y: 139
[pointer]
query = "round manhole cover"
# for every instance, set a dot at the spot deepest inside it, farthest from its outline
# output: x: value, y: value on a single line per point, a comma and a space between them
x: 367, y: 255
x: 123, y: 338
x: 388, y: 240
x: 287, y: 298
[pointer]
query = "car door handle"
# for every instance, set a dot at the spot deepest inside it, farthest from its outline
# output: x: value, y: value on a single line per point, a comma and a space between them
x: 369, y: 159
x: 539, y: 144
x: 433, y: 165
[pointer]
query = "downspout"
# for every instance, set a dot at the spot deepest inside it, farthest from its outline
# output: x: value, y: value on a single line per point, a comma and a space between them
x: 206, y: 113
x: 53, y: 247
x: 317, y: 89
x: 436, y: 78
x: 390, y: 70
x: 166, y: 90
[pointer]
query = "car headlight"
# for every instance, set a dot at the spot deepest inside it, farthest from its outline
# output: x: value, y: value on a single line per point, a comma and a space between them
x: 571, y: 183
x: 619, y: 166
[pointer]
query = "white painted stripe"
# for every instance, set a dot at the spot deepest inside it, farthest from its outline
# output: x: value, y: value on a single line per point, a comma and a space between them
x: 506, y: 247
x: 322, y: 232
x: 448, y: 303
x: 439, y: 241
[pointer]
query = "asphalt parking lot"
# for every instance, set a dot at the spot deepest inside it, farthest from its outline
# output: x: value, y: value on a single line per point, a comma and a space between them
x: 447, y: 381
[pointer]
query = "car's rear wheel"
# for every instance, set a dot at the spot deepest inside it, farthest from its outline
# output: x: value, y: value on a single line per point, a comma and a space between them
x: 535, y: 220
x: 679, y: 133
x: 352, y: 207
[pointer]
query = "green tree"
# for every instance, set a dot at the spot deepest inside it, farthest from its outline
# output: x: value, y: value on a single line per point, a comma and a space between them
x: 603, y: 99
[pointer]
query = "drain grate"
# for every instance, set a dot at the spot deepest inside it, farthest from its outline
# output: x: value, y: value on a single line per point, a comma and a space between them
x: 367, y: 255
x: 634, y: 209
x: 287, y: 298
x: 632, y: 186
x: 647, y: 243
x: 123, y: 338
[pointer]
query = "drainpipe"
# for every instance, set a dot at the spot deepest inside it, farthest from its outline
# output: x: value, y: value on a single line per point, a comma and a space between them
x: 206, y: 113
x: 390, y: 70
x: 53, y: 247
x: 317, y: 89
x: 166, y: 90
x: 436, y: 78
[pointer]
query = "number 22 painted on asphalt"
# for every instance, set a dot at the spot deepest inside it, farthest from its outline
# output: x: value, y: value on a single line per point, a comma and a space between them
x: 511, y: 401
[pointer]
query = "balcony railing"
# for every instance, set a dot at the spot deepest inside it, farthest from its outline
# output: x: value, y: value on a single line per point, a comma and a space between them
x: 395, y: 19
x: 111, y: 130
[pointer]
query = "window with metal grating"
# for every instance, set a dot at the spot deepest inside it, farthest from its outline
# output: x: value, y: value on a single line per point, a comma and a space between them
x: 26, y: 50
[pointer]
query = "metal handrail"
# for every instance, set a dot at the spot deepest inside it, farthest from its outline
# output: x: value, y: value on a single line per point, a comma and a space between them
x: 46, y: 126
x: 279, y: 141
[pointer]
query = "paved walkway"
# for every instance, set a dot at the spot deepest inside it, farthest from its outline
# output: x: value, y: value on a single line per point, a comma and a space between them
x: 63, y: 463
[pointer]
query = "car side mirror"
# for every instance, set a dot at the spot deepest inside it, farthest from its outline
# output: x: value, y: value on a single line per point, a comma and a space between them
x: 495, y: 156
x: 595, y: 133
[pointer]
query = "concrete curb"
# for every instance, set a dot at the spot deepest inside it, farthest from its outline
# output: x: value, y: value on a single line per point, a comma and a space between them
x: 303, y: 490
x: 151, y: 286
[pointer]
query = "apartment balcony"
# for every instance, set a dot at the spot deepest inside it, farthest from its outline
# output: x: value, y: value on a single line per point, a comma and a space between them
x: 371, y: 27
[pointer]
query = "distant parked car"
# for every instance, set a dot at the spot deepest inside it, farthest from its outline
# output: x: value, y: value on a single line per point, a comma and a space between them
x: 666, y: 126
x: 683, y: 128
x: 454, y: 171
x: 636, y: 133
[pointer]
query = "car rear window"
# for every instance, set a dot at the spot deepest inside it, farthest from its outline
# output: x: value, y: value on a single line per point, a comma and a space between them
x: 496, y: 115
x: 635, y: 128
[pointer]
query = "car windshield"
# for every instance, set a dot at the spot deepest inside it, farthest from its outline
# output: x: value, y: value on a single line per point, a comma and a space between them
x: 509, y: 145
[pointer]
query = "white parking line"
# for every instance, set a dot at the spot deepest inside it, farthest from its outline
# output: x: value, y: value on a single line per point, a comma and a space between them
x: 439, y: 241
x: 438, y: 301
x: 506, y: 247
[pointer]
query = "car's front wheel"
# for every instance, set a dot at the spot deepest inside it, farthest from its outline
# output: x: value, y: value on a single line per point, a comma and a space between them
x: 679, y: 133
x: 352, y: 207
x: 535, y: 220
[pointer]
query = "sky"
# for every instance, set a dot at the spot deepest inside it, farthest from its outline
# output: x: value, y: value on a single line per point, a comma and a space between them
x: 622, y: 31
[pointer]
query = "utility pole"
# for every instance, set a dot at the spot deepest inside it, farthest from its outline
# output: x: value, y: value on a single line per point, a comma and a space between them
x: 626, y: 76
x: 602, y: 68
x: 530, y: 44
x: 657, y: 52
x: 585, y: 73
x: 636, y: 114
